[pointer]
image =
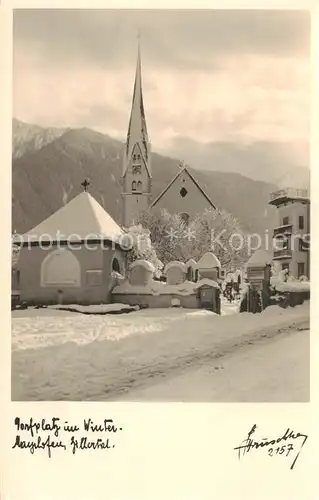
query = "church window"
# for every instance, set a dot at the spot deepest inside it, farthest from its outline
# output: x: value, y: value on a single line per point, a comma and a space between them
x: 60, y: 267
x: 138, y: 157
x: 134, y: 157
x: 116, y: 265
x: 134, y: 186
x: 183, y: 192
x: 139, y: 186
x: 94, y: 277
x: 136, y: 169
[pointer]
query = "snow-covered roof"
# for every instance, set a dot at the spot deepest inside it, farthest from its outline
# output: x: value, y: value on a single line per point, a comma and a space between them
x: 176, y: 263
x: 143, y: 263
x: 83, y: 218
x: 259, y: 259
x: 207, y: 282
x: 191, y: 263
x: 208, y: 261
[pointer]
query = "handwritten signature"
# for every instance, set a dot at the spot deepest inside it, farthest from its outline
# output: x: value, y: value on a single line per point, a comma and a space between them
x: 290, y: 438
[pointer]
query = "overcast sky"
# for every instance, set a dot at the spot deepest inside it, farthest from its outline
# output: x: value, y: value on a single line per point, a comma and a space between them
x: 237, y: 76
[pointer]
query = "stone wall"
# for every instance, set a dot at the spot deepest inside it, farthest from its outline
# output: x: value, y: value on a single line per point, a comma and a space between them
x: 157, y: 301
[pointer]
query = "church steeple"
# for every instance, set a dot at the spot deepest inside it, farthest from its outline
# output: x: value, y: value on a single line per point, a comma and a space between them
x: 136, y: 177
x: 137, y: 130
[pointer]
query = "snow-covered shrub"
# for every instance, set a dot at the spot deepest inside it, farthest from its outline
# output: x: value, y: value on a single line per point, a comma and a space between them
x: 303, y: 278
x: 211, y: 231
x: 291, y: 278
x: 142, y: 247
x: 283, y: 275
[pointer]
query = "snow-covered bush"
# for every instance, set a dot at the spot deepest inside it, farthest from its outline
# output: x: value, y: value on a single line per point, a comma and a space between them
x: 213, y: 230
x: 142, y: 247
x: 283, y: 275
x: 291, y: 278
x: 303, y: 278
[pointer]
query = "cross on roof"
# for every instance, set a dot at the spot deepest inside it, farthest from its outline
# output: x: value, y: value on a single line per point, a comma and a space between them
x: 85, y: 184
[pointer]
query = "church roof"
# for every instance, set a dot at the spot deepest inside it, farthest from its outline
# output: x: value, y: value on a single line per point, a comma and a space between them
x: 184, y: 169
x: 83, y: 218
x: 137, y: 130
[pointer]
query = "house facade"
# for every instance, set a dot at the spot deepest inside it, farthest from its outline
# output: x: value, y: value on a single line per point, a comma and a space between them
x: 292, y: 235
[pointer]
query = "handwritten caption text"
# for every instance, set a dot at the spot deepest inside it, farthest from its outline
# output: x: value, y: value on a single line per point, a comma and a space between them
x: 55, y: 433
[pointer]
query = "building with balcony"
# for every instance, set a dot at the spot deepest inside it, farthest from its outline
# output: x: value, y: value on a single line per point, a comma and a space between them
x: 291, y: 238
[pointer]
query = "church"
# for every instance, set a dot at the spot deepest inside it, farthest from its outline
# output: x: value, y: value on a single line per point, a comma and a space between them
x: 75, y: 254
x: 183, y: 195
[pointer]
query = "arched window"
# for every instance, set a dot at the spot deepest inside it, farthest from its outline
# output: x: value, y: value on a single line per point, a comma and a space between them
x: 185, y: 218
x: 116, y: 265
x: 134, y: 157
x: 139, y: 186
x: 138, y: 157
x: 60, y: 267
x: 134, y: 186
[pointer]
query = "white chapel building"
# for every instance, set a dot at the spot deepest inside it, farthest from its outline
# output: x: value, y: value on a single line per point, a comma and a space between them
x: 72, y: 255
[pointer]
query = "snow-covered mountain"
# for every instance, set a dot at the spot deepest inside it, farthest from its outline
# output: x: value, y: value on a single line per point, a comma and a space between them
x: 27, y: 137
x: 50, y: 164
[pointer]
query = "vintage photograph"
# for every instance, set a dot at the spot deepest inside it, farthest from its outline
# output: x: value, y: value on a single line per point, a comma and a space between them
x: 161, y: 205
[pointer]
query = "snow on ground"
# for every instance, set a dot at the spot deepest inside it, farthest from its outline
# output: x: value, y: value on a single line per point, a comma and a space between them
x: 45, y: 331
x: 82, y: 357
x: 280, y: 368
x: 95, y: 309
x: 229, y: 307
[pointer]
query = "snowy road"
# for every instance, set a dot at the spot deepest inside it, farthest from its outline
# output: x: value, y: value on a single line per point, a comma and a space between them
x: 274, y: 370
x: 157, y: 353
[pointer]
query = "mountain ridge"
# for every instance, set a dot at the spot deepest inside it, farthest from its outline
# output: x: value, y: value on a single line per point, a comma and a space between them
x: 49, y: 173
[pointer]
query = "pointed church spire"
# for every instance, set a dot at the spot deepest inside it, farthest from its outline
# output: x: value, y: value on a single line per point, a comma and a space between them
x: 137, y: 131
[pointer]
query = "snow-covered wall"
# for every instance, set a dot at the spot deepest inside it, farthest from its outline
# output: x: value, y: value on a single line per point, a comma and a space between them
x: 158, y: 301
x: 158, y: 294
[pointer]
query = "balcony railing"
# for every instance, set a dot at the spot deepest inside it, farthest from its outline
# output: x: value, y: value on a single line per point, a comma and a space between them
x: 285, y: 229
x: 304, y: 245
x: 289, y: 193
x: 284, y: 252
